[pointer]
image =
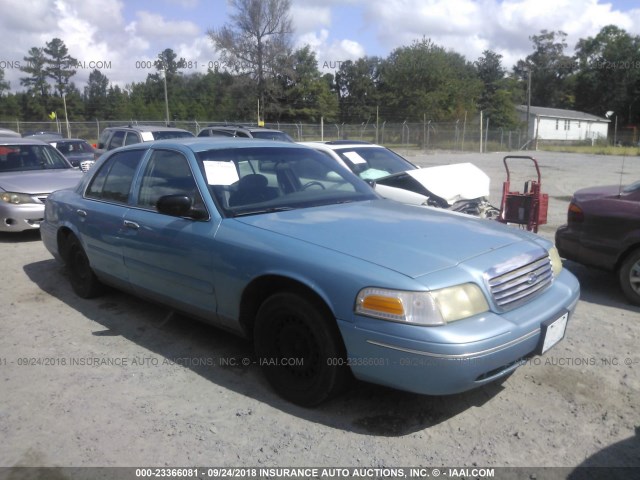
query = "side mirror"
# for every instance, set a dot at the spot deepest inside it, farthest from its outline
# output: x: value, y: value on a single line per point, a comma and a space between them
x: 179, y: 206
x: 176, y: 205
x: 372, y: 183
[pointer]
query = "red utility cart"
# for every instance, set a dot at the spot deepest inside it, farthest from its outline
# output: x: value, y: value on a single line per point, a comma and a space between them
x: 528, y: 208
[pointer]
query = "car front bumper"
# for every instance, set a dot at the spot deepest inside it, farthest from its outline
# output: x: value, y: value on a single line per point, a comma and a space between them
x: 21, y: 217
x: 446, y: 359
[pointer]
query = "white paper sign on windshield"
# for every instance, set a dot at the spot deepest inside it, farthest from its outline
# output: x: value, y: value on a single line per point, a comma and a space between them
x: 220, y: 173
x: 355, y: 157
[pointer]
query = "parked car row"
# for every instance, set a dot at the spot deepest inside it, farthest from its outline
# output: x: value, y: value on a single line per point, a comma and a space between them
x: 289, y: 246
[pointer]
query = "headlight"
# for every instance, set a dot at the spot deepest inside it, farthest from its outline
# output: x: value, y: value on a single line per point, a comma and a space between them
x: 556, y: 261
x: 16, y: 198
x: 437, y: 307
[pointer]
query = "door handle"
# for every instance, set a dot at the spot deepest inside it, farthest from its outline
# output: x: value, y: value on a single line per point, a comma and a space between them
x: 82, y: 213
x: 132, y: 225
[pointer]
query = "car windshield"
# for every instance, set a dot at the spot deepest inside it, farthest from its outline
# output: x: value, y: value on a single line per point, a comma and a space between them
x: 247, y: 181
x: 70, y: 148
x: 372, y: 163
x: 169, y: 134
x: 16, y: 158
x: 271, y: 135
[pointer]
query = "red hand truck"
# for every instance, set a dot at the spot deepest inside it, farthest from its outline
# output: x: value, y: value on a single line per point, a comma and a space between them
x: 528, y: 208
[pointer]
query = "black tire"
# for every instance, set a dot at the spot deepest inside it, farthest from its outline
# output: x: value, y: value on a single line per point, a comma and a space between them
x: 629, y: 277
x: 293, y: 328
x: 83, y: 281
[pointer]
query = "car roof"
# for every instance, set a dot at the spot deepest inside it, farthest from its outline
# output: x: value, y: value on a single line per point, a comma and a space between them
x: 21, y: 141
x: 241, y: 127
x: 147, y: 128
x: 341, y: 144
x: 58, y: 140
x: 201, y: 144
x: 5, y: 132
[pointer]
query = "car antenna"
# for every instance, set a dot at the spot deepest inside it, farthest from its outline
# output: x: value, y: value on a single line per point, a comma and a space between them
x: 621, y: 173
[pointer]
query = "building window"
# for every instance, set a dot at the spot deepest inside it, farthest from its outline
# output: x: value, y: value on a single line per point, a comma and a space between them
x: 557, y: 123
x: 567, y: 124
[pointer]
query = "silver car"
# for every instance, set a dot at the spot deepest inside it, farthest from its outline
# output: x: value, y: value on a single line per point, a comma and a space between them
x: 29, y: 171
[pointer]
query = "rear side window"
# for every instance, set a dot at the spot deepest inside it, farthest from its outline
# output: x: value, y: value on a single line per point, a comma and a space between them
x: 113, y: 180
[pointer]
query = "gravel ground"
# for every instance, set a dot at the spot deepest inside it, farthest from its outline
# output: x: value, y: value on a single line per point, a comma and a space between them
x: 116, y: 381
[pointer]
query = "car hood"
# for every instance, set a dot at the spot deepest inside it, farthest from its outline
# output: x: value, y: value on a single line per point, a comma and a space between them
x: 407, y: 239
x: 592, y: 193
x: 39, y: 181
x: 459, y: 181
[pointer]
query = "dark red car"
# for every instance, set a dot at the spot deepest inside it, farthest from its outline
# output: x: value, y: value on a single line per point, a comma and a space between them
x: 603, y: 231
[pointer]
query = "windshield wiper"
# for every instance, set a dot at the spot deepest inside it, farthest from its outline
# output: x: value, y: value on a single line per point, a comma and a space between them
x: 262, y: 210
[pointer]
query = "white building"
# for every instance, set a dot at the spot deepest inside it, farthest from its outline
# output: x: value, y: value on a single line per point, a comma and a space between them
x: 557, y: 125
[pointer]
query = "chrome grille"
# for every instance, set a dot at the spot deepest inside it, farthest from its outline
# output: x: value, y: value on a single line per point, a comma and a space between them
x: 86, y: 165
x: 521, y: 284
x: 42, y: 197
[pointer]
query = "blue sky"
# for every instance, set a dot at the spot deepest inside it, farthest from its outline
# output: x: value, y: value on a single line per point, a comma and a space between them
x: 120, y: 36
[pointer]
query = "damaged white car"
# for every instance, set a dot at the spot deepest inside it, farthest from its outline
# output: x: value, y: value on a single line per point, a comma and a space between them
x: 461, y: 187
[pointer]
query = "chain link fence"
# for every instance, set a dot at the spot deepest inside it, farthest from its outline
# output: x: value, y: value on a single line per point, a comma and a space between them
x: 452, y: 136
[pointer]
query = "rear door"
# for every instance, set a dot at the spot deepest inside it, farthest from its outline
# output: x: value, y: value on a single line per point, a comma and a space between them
x: 101, y: 213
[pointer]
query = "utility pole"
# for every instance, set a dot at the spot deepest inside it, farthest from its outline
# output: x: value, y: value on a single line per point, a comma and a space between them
x: 166, y: 97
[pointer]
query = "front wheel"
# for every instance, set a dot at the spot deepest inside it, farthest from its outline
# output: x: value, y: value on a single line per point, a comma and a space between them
x: 629, y: 277
x: 299, y: 349
x: 83, y: 281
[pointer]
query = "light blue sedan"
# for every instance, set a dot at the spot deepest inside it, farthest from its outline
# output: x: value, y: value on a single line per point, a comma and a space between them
x: 278, y: 243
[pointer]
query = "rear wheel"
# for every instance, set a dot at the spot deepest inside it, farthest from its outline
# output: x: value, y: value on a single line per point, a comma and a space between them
x: 629, y: 276
x: 83, y: 281
x: 299, y: 349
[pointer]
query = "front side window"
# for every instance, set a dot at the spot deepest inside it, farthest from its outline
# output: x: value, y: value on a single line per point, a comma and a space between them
x: 167, y: 173
x: 113, y: 181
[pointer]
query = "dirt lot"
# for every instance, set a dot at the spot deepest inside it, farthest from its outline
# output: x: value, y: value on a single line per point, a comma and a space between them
x: 159, y: 402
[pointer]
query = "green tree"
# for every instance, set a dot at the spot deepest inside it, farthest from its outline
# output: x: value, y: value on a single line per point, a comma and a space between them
x: 356, y: 83
x: 256, y: 41
x: 169, y: 62
x: 35, y: 67
x: 499, y: 93
x: 117, y: 107
x: 609, y: 74
x: 4, y: 85
x: 551, y: 71
x: 95, y: 95
x: 60, y: 65
x: 424, y: 79
x: 307, y: 95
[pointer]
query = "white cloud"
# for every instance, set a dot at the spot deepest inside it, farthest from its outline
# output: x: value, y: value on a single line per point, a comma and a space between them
x: 330, y: 54
x: 471, y: 26
x: 122, y: 33
x: 309, y: 18
x: 153, y: 25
